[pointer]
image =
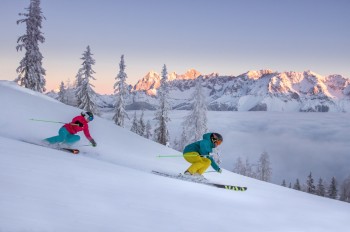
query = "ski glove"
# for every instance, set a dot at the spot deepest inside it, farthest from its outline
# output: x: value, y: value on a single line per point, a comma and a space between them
x: 220, y: 171
x: 78, y: 123
x: 93, y: 143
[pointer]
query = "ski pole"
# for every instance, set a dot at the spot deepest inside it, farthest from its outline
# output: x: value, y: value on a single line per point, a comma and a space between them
x: 41, y: 120
x: 171, y: 156
x: 168, y: 156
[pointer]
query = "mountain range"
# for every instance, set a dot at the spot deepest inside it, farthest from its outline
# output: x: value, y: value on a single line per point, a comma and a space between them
x: 263, y: 90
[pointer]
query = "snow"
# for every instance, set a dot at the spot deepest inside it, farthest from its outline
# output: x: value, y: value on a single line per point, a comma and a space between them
x: 247, y: 102
x: 110, y: 187
x: 253, y: 91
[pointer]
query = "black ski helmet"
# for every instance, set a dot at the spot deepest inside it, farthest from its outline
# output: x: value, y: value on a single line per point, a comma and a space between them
x: 216, y: 137
x: 87, y: 115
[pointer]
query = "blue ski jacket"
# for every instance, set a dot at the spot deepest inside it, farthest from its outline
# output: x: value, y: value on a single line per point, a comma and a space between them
x: 203, y: 148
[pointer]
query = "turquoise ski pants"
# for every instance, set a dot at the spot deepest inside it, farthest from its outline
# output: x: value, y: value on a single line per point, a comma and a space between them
x: 63, y: 137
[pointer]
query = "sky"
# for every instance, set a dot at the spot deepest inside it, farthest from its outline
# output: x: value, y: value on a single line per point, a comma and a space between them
x: 111, y: 186
x: 228, y: 37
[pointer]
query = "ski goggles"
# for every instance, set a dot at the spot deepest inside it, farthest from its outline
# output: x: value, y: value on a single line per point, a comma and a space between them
x: 217, y: 142
x: 89, y: 117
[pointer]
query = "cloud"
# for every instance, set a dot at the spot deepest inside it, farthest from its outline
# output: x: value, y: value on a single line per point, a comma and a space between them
x: 298, y: 143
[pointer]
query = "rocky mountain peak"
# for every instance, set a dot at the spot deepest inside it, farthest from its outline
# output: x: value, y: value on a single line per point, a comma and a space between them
x: 189, y: 75
x: 150, y: 81
x: 254, y: 75
x: 264, y: 90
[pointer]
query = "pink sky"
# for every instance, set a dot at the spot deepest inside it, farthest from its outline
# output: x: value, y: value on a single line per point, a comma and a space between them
x: 225, y: 36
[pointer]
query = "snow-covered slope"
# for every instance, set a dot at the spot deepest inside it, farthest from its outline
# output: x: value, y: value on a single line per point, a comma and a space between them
x: 110, y: 187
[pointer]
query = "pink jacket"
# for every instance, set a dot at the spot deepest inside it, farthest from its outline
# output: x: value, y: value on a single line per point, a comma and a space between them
x: 78, y: 123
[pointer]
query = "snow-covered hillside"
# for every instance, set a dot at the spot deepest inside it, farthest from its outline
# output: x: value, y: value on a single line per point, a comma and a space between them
x: 110, y: 187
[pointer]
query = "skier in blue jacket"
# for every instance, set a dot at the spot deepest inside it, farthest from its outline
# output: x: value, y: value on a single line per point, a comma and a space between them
x: 197, y: 154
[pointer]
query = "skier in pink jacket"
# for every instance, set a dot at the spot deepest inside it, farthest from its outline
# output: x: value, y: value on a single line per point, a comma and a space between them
x: 67, y: 133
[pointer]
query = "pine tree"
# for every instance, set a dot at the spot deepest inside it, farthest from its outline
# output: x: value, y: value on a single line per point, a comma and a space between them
x: 31, y: 74
x: 70, y: 98
x: 183, y: 140
x: 332, y: 190
x: 78, y: 83
x: 120, y: 90
x: 320, y: 189
x: 148, y: 133
x: 84, y: 92
x: 161, y: 132
x: 142, y: 126
x: 249, y: 169
x: 239, y: 167
x: 176, y: 144
x: 62, y: 93
x: 310, y: 187
x: 66, y: 93
x: 68, y: 84
x: 134, y: 126
x: 284, y: 183
x: 345, y: 190
x: 297, y: 185
x: 196, y: 122
x: 264, y: 170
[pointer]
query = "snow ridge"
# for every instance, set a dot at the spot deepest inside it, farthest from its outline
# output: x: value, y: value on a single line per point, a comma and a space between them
x: 263, y: 90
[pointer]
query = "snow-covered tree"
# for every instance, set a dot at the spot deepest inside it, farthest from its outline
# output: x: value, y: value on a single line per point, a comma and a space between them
x: 142, y: 125
x: 183, y: 141
x: 148, y: 133
x: 78, y: 82
x: 176, y: 144
x: 69, y: 97
x: 62, y: 93
x: 310, y: 186
x: 31, y: 74
x: 135, y: 126
x: 161, y: 132
x: 332, y: 189
x: 196, y: 122
x: 284, y: 183
x: 345, y: 190
x: 138, y: 125
x: 297, y: 185
x: 249, y: 169
x: 68, y: 83
x: 244, y: 168
x: 120, y: 90
x: 320, y: 189
x: 84, y: 93
x: 239, y: 166
x: 264, y: 170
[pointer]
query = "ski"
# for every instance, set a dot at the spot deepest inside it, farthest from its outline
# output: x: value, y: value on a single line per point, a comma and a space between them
x: 229, y: 187
x: 69, y: 150
x: 204, y: 181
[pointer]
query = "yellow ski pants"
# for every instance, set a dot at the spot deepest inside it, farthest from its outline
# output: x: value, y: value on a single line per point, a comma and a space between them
x: 199, y: 164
